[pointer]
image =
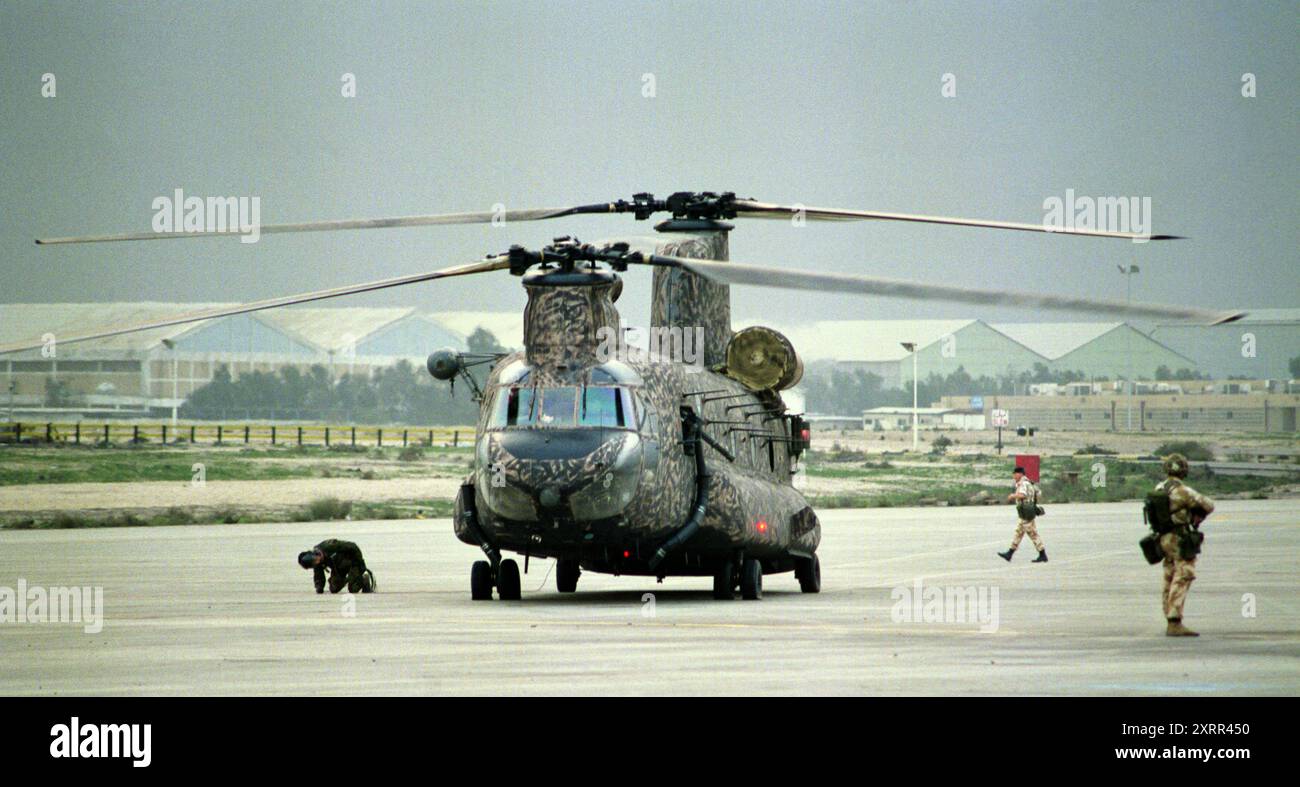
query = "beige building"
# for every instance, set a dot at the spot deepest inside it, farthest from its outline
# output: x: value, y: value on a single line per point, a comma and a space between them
x: 1253, y: 411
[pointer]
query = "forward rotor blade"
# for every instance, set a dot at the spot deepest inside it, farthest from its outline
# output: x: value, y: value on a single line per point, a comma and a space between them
x: 767, y: 210
x: 496, y: 263
x: 482, y: 217
x: 738, y: 273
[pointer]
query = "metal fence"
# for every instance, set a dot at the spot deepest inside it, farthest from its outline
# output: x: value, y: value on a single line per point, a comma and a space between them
x: 108, y: 433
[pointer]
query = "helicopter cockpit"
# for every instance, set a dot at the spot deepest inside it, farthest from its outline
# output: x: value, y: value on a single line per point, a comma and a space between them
x: 597, y: 421
x: 565, y: 406
x: 604, y: 399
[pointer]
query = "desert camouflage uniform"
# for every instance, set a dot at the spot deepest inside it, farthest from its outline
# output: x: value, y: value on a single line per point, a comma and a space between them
x: 1027, y: 526
x: 1179, y: 573
x: 345, y: 564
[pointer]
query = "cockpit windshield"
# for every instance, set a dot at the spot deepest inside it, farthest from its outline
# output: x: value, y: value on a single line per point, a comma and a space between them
x: 561, y: 406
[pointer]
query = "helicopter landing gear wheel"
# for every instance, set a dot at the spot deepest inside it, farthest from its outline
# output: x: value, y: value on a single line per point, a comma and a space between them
x: 809, y: 573
x: 480, y: 581
x: 508, y: 581
x: 724, y: 581
x: 751, y: 580
x: 567, y: 572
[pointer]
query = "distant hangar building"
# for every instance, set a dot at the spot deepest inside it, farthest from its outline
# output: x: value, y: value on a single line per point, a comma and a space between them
x: 1257, y: 347
x: 944, y: 346
x: 1097, y: 350
x: 158, y: 369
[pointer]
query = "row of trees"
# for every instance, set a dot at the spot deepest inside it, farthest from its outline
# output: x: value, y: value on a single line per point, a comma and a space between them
x: 399, y: 394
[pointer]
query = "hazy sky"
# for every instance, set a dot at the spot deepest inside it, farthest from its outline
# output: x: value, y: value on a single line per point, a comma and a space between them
x: 463, y: 105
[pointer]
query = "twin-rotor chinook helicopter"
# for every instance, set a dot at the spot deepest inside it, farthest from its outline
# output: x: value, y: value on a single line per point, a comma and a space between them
x: 617, y: 460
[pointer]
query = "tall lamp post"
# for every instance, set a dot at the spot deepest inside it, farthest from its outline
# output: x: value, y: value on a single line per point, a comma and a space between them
x: 916, y: 416
x: 171, y: 345
x: 1128, y: 271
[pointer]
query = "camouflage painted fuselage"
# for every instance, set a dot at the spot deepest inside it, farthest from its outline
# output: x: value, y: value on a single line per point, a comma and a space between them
x: 610, y: 495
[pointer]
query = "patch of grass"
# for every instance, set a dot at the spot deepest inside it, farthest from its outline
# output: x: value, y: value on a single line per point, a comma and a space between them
x: 961, y: 494
x: 1195, y: 451
x: 1094, y: 450
x: 173, y: 516
x: 838, y: 453
x: 226, y: 516
x: 66, y: 520
x: 326, y: 508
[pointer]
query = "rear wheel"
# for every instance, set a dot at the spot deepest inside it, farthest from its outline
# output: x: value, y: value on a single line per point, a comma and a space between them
x: 508, y: 581
x: 566, y: 575
x: 751, y: 579
x: 809, y: 573
x: 480, y: 581
x: 724, y: 581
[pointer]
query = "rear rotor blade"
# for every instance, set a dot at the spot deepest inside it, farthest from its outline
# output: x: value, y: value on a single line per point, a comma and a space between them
x: 428, y: 220
x: 738, y: 273
x: 500, y: 262
x: 767, y: 210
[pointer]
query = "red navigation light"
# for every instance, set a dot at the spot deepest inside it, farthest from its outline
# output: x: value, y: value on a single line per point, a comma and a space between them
x: 762, y: 526
x: 627, y: 553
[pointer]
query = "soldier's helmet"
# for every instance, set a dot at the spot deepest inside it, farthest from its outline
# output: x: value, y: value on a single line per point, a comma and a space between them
x: 1176, y: 465
x: 307, y: 559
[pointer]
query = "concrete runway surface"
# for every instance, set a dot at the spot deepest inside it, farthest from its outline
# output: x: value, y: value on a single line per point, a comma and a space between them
x: 226, y: 610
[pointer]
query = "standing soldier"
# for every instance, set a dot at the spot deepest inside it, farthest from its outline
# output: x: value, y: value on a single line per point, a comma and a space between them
x: 1181, y: 543
x: 345, y: 563
x: 1026, y: 499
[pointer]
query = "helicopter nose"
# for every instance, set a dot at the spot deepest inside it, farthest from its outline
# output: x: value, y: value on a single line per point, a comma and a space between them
x: 551, y: 444
x: 549, y: 497
x: 587, y: 474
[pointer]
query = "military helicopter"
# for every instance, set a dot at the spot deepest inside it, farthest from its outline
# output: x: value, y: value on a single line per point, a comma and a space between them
x: 620, y: 460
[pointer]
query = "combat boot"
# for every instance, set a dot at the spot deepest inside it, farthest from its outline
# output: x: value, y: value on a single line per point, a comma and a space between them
x: 1007, y: 555
x: 1042, y: 557
x: 1177, y: 629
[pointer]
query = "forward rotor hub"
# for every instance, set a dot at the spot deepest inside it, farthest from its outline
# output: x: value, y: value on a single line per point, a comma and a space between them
x: 566, y: 253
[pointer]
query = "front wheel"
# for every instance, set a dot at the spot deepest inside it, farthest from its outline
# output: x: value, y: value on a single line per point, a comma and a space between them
x: 480, y: 581
x: 508, y: 581
x: 567, y: 572
x: 724, y: 581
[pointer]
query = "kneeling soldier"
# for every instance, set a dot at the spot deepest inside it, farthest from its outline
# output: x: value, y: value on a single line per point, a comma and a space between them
x: 1181, y: 544
x: 345, y: 563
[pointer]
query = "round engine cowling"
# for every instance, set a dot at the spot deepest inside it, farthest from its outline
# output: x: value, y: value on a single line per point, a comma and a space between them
x: 762, y: 359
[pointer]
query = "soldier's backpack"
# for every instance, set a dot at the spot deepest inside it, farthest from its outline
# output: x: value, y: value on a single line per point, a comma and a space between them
x: 1151, y: 548
x: 1158, y: 512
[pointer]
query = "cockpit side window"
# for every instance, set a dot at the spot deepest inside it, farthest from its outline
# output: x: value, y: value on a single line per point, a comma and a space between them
x: 514, y: 407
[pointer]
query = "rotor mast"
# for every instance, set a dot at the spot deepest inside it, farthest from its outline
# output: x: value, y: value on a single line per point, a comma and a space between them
x: 681, y: 298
